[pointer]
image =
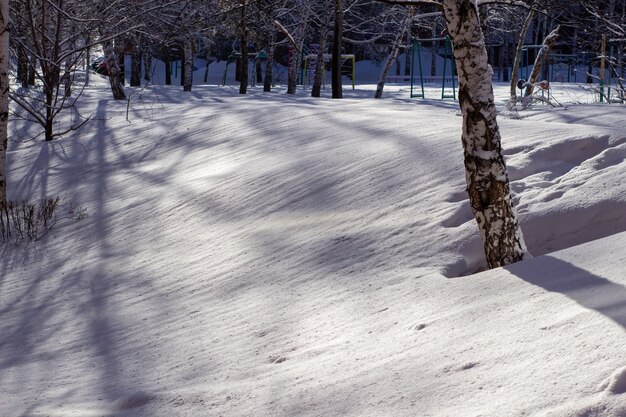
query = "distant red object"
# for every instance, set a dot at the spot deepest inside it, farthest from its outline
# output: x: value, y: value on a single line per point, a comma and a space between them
x: 101, y: 66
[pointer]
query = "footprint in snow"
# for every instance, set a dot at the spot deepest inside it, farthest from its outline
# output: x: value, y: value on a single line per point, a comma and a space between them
x: 277, y: 359
x: 468, y: 365
x: 134, y: 400
x: 418, y: 327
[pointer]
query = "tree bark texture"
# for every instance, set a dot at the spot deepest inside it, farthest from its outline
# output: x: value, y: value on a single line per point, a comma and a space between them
x: 548, y: 43
x: 296, y: 58
x: 320, y: 68
x: 113, y: 70
x: 243, y: 86
x: 22, y: 66
x: 294, y: 69
x: 518, y: 51
x: 258, y: 70
x: 67, y: 79
x: 181, y: 55
x: 147, y: 63
x: 320, y: 63
x: 168, y: 65
x: 407, y: 64
x: 393, y: 54
x: 31, y: 70
x: 267, y: 80
x: 485, y: 170
x: 87, y: 64
x: 188, y: 67
x: 4, y: 97
x: 337, y: 90
x: 121, y: 54
x: 135, y: 67
x: 206, y: 66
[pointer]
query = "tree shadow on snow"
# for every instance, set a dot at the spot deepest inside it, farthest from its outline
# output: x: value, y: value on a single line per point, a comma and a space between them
x: 64, y: 310
x: 591, y: 291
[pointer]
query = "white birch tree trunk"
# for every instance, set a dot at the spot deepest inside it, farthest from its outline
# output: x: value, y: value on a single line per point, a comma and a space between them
x: 296, y: 60
x: 485, y: 170
x: 518, y: 53
x: 548, y: 43
x: 4, y: 97
x: 393, y: 54
x: 113, y: 71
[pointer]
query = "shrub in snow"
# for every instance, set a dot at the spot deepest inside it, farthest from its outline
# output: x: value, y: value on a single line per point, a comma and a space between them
x: 31, y: 221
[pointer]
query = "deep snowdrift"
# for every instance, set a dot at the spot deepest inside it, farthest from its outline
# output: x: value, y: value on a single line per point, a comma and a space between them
x: 277, y: 255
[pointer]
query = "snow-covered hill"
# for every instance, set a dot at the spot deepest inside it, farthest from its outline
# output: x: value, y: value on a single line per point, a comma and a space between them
x: 272, y: 255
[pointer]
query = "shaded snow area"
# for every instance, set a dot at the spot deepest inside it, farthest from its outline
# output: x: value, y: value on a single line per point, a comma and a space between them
x: 272, y: 255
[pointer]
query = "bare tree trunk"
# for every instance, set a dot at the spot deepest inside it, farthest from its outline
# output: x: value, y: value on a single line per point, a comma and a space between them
x: 22, y: 66
x: 168, y: 65
x: 407, y: 64
x: 135, y: 66
x: 518, y: 51
x: 188, y: 67
x: 620, y: 53
x: 294, y: 68
x: 147, y: 63
x: 87, y: 63
x: 113, y: 70
x: 67, y: 78
x: 207, y: 63
x: 336, y: 56
x: 243, y: 86
x: 121, y: 55
x: 393, y: 54
x: 67, y: 83
x: 258, y: 70
x: 31, y: 70
x: 548, y: 43
x: 4, y: 97
x: 296, y: 61
x: 433, y: 54
x: 538, y: 28
x: 238, y: 69
x: 268, y: 16
x: 267, y: 81
x: 320, y: 64
x: 320, y: 68
x: 486, y: 175
x: 292, y: 74
x: 181, y: 55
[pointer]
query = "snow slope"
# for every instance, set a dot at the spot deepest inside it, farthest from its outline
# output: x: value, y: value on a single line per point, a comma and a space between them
x: 271, y: 255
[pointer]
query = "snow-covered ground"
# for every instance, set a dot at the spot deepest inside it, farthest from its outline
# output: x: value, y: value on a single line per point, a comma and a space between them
x: 275, y: 255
